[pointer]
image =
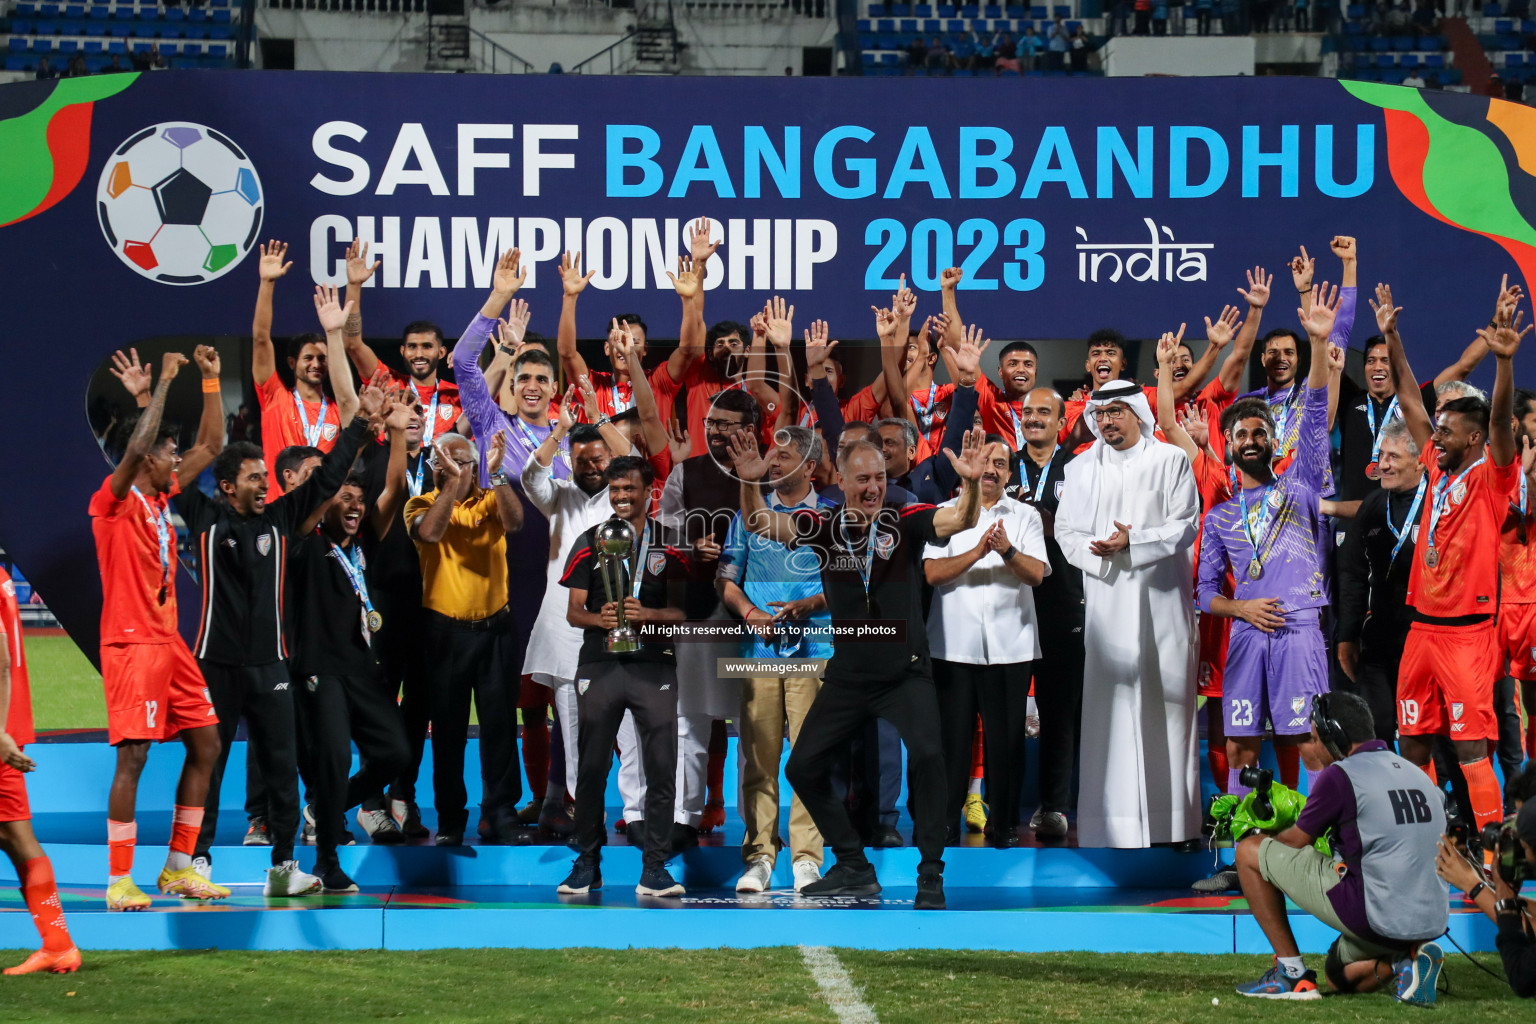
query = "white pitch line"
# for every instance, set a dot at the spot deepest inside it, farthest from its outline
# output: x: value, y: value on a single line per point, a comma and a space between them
x: 838, y: 989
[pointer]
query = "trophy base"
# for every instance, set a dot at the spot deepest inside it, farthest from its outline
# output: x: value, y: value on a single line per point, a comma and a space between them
x: 623, y: 643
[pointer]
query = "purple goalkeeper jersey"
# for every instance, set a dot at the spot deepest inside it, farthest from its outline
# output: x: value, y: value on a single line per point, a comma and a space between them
x: 1286, y: 519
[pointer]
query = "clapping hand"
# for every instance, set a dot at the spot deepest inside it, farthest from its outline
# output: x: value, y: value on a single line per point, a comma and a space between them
x: 1117, y: 542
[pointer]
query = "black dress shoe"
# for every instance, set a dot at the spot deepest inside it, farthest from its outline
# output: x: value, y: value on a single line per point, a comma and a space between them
x: 1005, y: 839
x: 449, y: 838
x: 684, y: 837
x: 886, y: 838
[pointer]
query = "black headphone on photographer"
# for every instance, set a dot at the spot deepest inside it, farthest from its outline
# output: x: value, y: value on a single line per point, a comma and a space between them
x: 1335, y: 739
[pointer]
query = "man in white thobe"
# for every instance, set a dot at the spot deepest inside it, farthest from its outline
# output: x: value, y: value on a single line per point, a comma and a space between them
x: 1127, y: 519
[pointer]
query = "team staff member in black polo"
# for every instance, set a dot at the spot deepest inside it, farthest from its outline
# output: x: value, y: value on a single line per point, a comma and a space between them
x: 340, y: 697
x: 871, y: 569
x: 1374, y: 563
x: 1059, y: 608
x: 644, y: 683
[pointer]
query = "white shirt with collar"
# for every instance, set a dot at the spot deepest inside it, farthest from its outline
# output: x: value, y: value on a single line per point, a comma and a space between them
x: 554, y: 644
x: 987, y: 616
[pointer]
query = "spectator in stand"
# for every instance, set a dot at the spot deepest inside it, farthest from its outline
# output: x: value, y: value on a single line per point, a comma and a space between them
x: 1080, y: 48
x: 45, y: 70
x: 917, y: 54
x: 1160, y: 17
x: 1005, y: 54
x: 1120, y: 23
x: 983, y: 58
x: 1203, y: 17
x: 1303, y: 16
x: 1515, y: 91
x: 940, y: 58
x: 1424, y: 18
x: 1397, y: 19
x: 116, y: 67
x: 1057, y: 37
x: 1143, y: 17
x: 1433, y: 81
x: 75, y: 68
x: 1029, y: 46
x: 1413, y: 80
x: 1495, y: 87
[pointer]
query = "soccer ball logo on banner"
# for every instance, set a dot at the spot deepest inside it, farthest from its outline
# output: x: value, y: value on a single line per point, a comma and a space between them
x: 180, y: 203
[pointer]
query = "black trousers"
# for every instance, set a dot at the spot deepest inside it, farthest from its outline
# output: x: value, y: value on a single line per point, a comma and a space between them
x: 910, y: 704
x: 470, y: 658
x: 1059, y: 700
x: 403, y: 666
x: 604, y: 691
x: 262, y: 696
x: 1376, y: 682
x: 1511, y: 748
x: 1000, y: 694
x: 333, y: 712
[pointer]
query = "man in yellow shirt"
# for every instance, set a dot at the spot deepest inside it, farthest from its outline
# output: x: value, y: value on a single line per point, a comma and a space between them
x: 460, y: 531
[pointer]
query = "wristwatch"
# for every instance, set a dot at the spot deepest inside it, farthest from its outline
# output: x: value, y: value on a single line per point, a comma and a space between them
x: 499, y: 479
x: 1008, y: 555
x: 605, y: 420
x: 1513, y: 905
x: 505, y: 350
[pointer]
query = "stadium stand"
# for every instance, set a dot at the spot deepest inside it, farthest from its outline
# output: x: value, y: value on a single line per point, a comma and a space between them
x: 129, y: 30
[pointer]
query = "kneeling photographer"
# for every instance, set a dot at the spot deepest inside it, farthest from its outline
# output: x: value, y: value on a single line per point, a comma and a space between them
x: 1375, y: 884
x: 1514, y: 860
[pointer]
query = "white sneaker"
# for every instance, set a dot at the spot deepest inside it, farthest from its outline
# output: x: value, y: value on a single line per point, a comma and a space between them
x: 287, y: 880
x: 1036, y: 818
x: 204, y: 867
x: 380, y: 826
x: 755, y: 878
x: 806, y: 872
x: 1053, y: 825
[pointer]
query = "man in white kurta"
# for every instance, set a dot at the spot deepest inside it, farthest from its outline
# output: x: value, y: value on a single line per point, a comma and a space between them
x: 1127, y: 519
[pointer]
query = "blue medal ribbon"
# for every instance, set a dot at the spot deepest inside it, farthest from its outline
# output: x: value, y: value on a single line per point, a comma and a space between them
x: 1370, y: 419
x: 354, y: 570
x: 161, y: 518
x: 925, y: 412
x: 1045, y: 471
x: 311, y: 434
x: 1441, y: 505
x: 1255, y: 531
x: 1403, y: 534
x: 429, y: 430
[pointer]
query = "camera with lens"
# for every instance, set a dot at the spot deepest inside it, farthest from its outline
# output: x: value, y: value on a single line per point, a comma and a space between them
x: 1259, y: 780
x: 1508, y: 852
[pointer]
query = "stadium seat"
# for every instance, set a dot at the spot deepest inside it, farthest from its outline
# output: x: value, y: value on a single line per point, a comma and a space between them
x: 955, y: 26
x: 48, y: 10
x: 175, y: 14
x: 907, y: 25
x: 1381, y: 44
x: 1491, y: 9
x: 992, y: 11
x: 1018, y: 12
x: 1355, y: 12
x: 1061, y: 11
x: 875, y: 10
x: 118, y: 47
x: 218, y: 51
x: 17, y: 44
x: 1434, y: 60
x: 192, y: 49
x: 1385, y: 60
x: 21, y: 26
x: 221, y: 17
x: 143, y: 47
x: 932, y: 25
x: 47, y: 28
x: 1039, y: 13
x: 26, y: 10
x: 922, y: 11
x: 69, y: 46
x: 1408, y: 60
x: 1514, y: 60
x: 92, y: 46
x: 970, y: 11
x: 168, y: 48
x: 74, y: 11
x: 15, y: 62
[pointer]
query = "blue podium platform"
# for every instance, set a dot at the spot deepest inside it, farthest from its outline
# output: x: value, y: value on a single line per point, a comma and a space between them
x: 1034, y: 898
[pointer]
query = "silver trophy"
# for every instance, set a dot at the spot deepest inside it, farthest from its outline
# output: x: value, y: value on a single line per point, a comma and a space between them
x: 615, y: 539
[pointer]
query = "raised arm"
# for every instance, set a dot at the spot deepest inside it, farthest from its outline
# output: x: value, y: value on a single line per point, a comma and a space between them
x: 333, y: 317
x: 270, y: 268
x: 1409, y: 405
x: 750, y: 468
x: 689, y: 284
x: 509, y: 343
x: 133, y: 375
x: 386, y: 508
x: 1503, y: 341
x: 358, y: 271
x: 1167, y: 420
x: 210, y: 428
x: 962, y: 405
x: 777, y: 325
x: 655, y: 431
x: 509, y: 509
x: 148, y: 427
x: 572, y: 283
x: 780, y: 334
x: 1475, y: 352
x: 1302, y: 268
x: 829, y: 414
x: 1257, y: 296
x: 894, y: 327
x: 429, y: 527
x: 962, y: 515
x: 1217, y: 336
x: 949, y: 280
x: 302, y: 505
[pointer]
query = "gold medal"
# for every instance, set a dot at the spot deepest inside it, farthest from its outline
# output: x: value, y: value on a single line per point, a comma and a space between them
x: 375, y: 621
x: 1255, y: 568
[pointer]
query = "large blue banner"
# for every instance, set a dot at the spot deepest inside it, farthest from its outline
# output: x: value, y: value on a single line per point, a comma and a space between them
x: 133, y: 205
